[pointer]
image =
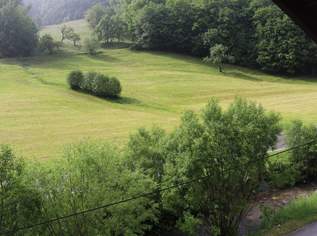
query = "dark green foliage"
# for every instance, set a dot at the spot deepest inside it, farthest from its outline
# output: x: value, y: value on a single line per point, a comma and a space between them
x: 20, y: 204
x: 256, y: 33
x: 282, y: 173
x: 95, y: 84
x: 304, y: 158
x: 281, y: 46
x: 48, y: 45
x: 75, y: 79
x: 18, y: 33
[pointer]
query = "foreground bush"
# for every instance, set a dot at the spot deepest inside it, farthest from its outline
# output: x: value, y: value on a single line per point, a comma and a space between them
x: 90, y: 175
x: 228, y: 147
x: 95, y: 83
x: 20, y: 204
x: 305, y: 157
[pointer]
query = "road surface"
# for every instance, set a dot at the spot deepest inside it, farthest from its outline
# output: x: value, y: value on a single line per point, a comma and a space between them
x: 308, y: 230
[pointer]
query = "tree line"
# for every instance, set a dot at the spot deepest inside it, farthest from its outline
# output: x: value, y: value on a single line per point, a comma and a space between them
x: 252, y: 33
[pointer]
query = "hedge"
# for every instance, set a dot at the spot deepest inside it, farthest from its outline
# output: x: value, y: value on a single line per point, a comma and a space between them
x: 95, y: 83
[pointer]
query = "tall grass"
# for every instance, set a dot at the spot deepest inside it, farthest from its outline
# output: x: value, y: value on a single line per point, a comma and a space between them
x: 293, y: 216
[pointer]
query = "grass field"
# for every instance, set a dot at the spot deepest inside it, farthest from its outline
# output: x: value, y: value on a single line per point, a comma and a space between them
x: 40, y: 114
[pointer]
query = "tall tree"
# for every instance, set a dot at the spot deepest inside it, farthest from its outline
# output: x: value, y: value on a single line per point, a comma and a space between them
x: 18, y: 33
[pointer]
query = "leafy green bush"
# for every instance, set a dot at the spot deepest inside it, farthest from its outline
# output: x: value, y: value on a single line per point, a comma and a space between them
x: 75, y: 79
x: 282, y: 173
x: 88, y: 83
x: 305, y: 157
x: 95, y: 84
x: 93, y: 174
x: 91, y: 46
x: 20, y: 204
x: 47, y: 44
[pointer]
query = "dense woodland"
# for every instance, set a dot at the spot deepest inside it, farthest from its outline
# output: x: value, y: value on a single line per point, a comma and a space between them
x: 253, y: 33
x: 248, y: 33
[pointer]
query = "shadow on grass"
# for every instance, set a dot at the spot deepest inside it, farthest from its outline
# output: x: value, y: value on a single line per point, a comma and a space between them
x: 241, y: 75
x: 124, y: 100
x: 101, y: 56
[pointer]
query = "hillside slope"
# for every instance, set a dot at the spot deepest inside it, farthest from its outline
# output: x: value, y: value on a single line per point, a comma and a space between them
x: 40, y: 114
x: 47, y: 12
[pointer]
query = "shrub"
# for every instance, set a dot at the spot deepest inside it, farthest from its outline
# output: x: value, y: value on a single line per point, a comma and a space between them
x: 88, y: 83
x: 91, y: 46
x: 305, y: 157
x: 92, y: 174
x: 282, y: 173
x: 47, y: 44
x: 20, y: 204
x: 95, y: 84
x: 75, y: 79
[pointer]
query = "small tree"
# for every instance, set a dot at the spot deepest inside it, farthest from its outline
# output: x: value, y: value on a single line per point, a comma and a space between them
x: 91, y: 46
x: 75, y: 38
x: 218, y: 56
x: 47, y: 44
x: 66, y: 32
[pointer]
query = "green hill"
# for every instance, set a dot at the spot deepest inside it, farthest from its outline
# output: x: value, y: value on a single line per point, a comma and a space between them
x: 40, y: 114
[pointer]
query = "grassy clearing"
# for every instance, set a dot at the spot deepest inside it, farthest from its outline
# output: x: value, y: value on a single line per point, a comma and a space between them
x: 298, y: 213
x: 40, y: 114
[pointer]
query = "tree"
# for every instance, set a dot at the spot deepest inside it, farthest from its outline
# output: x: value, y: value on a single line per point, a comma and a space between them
x: 75, y: 38
x: 91, y: 45
x: 66, y: 32
x: 47, y: 44
x: 95, y: 14
x: 218, y: 56
x: 18, y: 33
x: 229, y: 150
x: 282, y: 46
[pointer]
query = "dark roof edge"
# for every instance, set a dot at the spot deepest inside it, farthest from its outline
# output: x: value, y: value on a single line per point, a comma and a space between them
x: 299, y: 18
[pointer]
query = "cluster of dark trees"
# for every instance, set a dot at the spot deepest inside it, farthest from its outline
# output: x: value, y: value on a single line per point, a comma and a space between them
x: 47, y: 12
x: 18, y: 33
x: 255, y: 33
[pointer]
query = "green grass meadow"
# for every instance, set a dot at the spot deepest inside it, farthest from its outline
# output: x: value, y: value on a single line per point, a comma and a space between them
x: 40, y: 114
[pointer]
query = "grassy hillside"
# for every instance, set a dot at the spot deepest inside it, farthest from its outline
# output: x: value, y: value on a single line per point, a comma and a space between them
x: 40, y: 114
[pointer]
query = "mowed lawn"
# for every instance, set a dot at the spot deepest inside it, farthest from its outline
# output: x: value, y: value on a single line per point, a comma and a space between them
x: 40, y: 114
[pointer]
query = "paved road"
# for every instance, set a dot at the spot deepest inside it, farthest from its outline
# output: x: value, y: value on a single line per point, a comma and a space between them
x: 309, y: 230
